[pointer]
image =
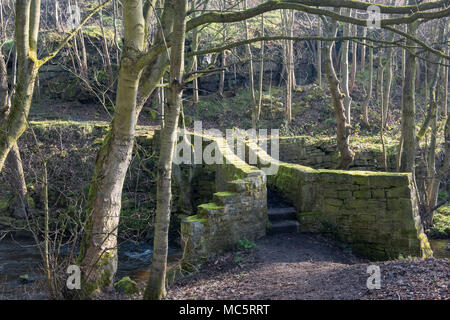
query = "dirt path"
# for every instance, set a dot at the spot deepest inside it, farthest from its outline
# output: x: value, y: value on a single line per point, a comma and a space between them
x: 299, y: 266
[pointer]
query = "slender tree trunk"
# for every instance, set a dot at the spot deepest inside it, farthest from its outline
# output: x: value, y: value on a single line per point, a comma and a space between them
x: 291, y: 49
x: 370, y: 88
x: 222, y: 74
x: 254, y: 105
x: 289, y: 65
x: 381, y: 76
x: 106, y: 49
x: 17, y: 182
x: 261, y: 72
x: 156, y: 283
x: 343, y: 130
x: 445, y: 93
x: 388, y: 83
x: 445, y: 77
x: 400, y: 143
x: 195, y: 82
x: 433, y: 181
x: 26, y: 34
x: 409, y: 108
x: 354, y: 58
x: 345, y: 72
x: 319, y: 55
x: 98, y: 256
x: 363, y: 51
x: 194, y: 63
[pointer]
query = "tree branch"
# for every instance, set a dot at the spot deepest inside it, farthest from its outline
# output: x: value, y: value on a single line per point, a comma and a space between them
x: 69, y: 37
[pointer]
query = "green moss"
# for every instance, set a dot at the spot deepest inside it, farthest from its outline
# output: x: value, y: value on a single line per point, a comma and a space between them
x: 196, y: 218
x: 210, y: 206
x: 224, y: 194
x: 127, y: 285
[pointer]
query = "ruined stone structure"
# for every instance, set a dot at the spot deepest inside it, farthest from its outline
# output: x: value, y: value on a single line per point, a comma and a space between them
x: 376, y: 214
x: 237, y: 211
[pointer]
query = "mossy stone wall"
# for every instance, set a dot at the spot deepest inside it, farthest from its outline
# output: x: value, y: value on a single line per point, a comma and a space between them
x: 237, y: 211
x: 375, y: 213
x: 322, y: 153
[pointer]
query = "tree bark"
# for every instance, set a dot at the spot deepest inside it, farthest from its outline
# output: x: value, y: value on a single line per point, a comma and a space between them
x: 409, y: 108
x: 343, y: 130
x: 345, y: 72
x: 26, y: 34
x: 156, y: 283
x: 261, y: 72
x: 254, y: 105
x: 319, y: 55
x: 98, y: 256
x: 370, y: 88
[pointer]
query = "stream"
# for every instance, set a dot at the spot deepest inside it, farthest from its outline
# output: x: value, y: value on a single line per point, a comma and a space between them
x: 21, y: 257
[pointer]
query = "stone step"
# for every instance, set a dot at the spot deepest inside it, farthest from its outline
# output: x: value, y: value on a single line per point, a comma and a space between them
x: 277, y: 214
x: 284, y: 226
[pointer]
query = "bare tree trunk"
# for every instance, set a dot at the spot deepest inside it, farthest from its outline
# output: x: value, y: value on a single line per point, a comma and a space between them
x: 345, y: 72
x: 354, y: 58
x: 195, y: 82
x: 288, y: 21
x: 319, y: 55
x: 445, y: 77
x: 194, y: 66
x: 291, y: 48
x: 343, y: 130
x: 445, y: 93
x: 363, y: 51
x: 26, y: 34
x: 409, y: 108
x: 156, y: 283
x: 248, y: 50
x: 222, y: 74
x: 106, y: 49
x: 17, y: 182
x: 161, y: 103
x: 381, y: 94
x: 370, y: 88
x: 400, y: 143
x: 388, y: 83
x: 433, y: 179
x: 98, y: 255
x: 261, y: 72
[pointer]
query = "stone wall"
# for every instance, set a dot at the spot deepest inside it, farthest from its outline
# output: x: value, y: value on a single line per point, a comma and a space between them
x: 237, y: 211
x: 324, y: 154
x: 376, y: 214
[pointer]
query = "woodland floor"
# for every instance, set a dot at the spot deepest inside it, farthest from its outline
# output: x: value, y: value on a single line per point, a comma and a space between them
x: 299, y: 266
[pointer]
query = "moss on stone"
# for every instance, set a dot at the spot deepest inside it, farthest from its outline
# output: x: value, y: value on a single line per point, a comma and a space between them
x: 225, y: 194
x: 196, y: 218
x: 127, y: 285
x: 210, y: 206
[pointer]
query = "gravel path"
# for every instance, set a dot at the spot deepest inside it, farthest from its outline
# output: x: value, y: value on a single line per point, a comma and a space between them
x: 299, y: 266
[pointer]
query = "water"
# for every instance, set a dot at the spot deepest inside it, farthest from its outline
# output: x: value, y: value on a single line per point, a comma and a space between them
x: 21, y: 257
x: 439, y: 247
